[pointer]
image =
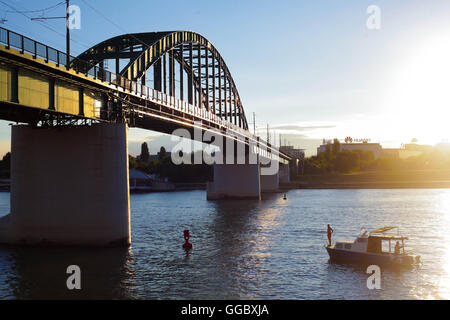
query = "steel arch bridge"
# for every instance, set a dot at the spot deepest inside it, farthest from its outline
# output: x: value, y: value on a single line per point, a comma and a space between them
x: 163, y: 81
x: 203, y: 75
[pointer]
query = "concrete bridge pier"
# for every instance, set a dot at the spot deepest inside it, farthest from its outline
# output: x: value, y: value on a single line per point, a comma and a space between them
x: 235, y: 181
x: 69, y: 186
x: 284, y: 173
x: 270, y: 183
x: 238, y: 177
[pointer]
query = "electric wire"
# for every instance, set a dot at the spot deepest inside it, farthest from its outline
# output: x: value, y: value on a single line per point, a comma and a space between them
x: 44, y: 24
x: 113, y: 23
x: 38, y: 10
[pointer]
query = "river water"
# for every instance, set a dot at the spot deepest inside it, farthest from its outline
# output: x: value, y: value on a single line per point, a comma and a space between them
x: 269, y: 249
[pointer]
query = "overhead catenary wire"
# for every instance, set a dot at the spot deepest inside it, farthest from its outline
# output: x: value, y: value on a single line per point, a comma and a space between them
x: 28, y: 17
x: 37, y: 10
x: 44, y: 24
x: 114, y: 24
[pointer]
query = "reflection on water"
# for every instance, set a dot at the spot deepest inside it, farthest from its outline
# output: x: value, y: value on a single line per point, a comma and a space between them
x: 41, y: 273
x: 444, y: 281
x: 269, y: 249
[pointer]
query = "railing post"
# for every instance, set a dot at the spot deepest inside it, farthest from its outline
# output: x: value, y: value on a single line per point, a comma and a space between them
x: 22, y: 44
x: 7, y: 40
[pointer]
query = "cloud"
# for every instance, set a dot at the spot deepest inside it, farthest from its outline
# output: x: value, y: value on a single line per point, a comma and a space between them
x: 302, y: 128
x: 311, y: 129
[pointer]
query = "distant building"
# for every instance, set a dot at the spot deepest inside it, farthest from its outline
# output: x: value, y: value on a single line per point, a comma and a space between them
x: 418, y: 147
x: 139, y: 178
x: 142, y: 182
x: 399, y: 153
x: 375, y: 148
x: 408, y: 150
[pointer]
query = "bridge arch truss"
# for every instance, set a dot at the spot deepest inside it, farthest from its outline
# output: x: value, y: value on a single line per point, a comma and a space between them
x: 183, y: 64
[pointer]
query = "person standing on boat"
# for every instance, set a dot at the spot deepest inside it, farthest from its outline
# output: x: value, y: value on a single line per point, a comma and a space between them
x: 329, y: 232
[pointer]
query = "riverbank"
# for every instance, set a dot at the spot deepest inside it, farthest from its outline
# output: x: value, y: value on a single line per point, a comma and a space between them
x: 185, y: 186
x: 374, y: 180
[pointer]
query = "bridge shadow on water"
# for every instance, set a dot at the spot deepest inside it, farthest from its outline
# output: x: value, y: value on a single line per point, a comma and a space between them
x: 241, y: 237
x: 40, y: 273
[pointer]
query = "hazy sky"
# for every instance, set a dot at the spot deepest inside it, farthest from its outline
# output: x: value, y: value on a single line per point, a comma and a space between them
x: 311, y: 69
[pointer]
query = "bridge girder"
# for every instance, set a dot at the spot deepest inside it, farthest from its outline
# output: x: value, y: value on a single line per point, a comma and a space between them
x: 209, y: 81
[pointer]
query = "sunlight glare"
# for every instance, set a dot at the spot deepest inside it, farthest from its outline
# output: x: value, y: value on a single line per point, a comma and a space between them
x: 420, y: 95
x: 444, y: 284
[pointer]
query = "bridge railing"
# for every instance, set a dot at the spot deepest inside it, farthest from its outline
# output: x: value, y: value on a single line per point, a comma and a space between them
x: 24, y: 44
x: 12, y: 39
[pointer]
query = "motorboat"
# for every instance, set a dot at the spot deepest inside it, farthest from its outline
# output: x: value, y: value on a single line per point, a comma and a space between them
x: 377, y: 247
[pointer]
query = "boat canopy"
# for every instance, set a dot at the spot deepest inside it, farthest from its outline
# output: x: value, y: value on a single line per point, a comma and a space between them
x: 387, y: 237
x: 383, y: 230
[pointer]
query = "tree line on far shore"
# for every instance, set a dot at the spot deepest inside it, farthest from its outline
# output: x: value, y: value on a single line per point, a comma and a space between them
x: 335, y: 160
x: 165, y: 168
x: 162, y: 167
x: 5, y: 165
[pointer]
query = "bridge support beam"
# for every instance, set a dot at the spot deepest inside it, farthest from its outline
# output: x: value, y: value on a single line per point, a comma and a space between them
x: 235, y: 181
x: 69, y: 186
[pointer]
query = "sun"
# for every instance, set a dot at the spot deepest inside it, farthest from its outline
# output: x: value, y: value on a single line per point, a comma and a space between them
x: 419, y: 96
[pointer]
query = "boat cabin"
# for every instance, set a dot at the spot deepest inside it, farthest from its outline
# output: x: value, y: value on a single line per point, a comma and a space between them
x: 375, y: 242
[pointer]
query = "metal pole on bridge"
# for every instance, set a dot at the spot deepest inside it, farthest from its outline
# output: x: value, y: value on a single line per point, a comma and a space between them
x: 66, y: 17
x: 67, y: 34
x: 254, y: 124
